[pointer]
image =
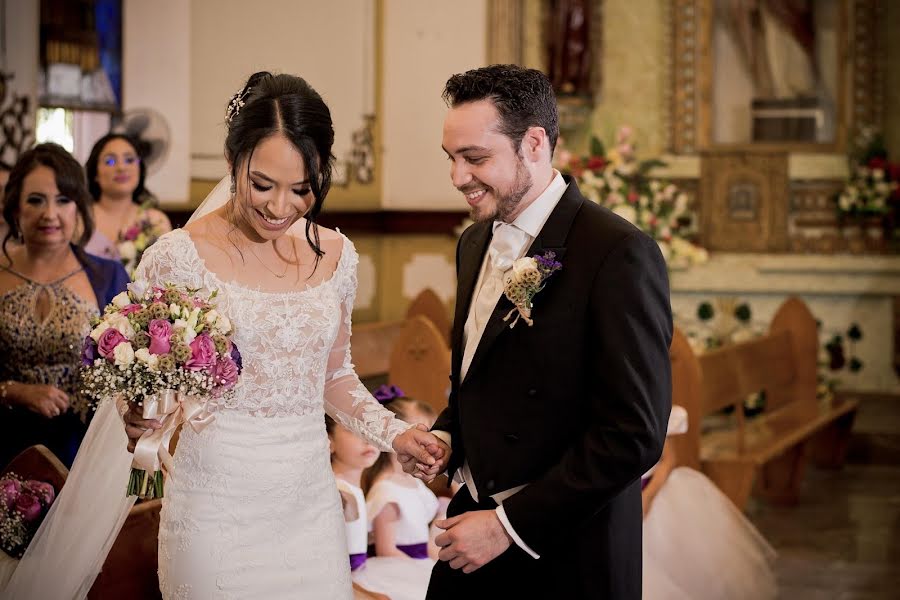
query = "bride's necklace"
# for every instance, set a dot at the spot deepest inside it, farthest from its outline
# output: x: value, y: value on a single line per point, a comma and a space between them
x: 266, y: 267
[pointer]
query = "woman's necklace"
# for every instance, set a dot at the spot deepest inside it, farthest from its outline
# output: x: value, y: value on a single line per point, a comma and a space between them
x: 266, y: 267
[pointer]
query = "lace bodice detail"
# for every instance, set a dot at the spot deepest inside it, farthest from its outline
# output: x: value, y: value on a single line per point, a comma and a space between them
x: 295, y: 345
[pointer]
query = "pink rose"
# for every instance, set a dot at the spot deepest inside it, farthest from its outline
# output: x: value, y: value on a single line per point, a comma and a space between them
x: 159, y: 330
x: 203, y: 354
x: 9, y: 492
x: 28, y: 506
x: 132, y: 232
x: 131, y: 308
x: 42, y: 490
x: 109, y: 339
x: 226, y: 372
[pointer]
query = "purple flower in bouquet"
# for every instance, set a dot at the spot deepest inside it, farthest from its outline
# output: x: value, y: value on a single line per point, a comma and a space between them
x: 547, y: 264
x: 9, y: 492
x: 226, y: 372
x: 42, y: 490
x: 237, y: 358
x: 109, y: 339
x: 203, y: 354
x: 159, y: 331
x: 89, y: 352
x: 28, y: 505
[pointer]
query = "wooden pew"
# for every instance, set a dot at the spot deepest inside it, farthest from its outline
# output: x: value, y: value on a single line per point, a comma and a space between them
x: 428, y: 305
x: 130, y: 569
x: 371, y: 345
x: 420, y: 363
x: 770, y: 450
x: 38, y: 463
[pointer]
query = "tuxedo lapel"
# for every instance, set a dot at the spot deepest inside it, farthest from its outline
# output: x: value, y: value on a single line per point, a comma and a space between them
x: 552, y: 238
x: 470, y: 259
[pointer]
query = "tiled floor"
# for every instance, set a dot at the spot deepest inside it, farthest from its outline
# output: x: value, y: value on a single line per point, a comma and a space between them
x: 842, y: 540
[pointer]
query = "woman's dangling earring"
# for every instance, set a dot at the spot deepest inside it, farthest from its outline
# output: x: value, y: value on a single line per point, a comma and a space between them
x: 233, y: 186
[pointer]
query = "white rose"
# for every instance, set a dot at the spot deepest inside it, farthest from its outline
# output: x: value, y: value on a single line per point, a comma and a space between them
x: 223, y: 325
x: 627, y: 212
x: 122, y: 300
x: 143, y: 356
x: 174, y: 310
x: 121, y: 323
x: 189, y: 333
x: 98, y: 331
x: 127, y: 250
x: 123, y: 354
x: 138, y: 288
x: 523, y: 267
x: 211, y: 317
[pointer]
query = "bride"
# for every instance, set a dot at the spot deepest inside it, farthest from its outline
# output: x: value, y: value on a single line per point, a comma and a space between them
x: 252, y: 509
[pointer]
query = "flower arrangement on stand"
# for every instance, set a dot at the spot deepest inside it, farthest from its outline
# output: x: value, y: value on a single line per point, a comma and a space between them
x: 871, y: 195
x: 167, y: 353
x: 615, y: 179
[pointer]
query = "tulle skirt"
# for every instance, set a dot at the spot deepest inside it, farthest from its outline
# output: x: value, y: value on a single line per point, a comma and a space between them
x: 698, y: 545
x: 397, y: 577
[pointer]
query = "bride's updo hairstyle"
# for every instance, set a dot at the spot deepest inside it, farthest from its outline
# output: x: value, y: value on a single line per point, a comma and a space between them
x: 286, y: 104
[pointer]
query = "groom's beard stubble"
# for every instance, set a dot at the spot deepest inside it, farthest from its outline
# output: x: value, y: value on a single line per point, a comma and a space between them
x: 505, y: 203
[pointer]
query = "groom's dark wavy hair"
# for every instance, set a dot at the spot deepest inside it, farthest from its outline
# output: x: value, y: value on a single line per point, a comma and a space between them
x: 523, y: 97
x: 284, y: 104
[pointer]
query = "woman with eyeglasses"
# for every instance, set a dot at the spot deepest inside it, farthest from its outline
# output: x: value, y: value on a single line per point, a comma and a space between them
x: 126, y: 222
x: 50, y: 289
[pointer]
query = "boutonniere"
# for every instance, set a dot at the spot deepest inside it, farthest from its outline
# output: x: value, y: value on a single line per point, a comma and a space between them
x: 524, y: 280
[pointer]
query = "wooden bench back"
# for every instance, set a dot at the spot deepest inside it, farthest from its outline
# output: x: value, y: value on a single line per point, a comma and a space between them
x: 371, y: 345
x: 686, y: 393
x: 38, y: 463
x: 130, y: 568
x: 430, y: 306
x: 420, y: 362
x: 782, y: 362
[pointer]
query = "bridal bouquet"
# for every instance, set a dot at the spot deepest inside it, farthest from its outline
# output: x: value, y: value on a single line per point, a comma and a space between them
x: 166, y: 353
x: 23, y: 505
x: 134, y: 240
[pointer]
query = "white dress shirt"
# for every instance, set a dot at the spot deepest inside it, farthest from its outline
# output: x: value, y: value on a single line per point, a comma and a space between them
x: 528, y: 224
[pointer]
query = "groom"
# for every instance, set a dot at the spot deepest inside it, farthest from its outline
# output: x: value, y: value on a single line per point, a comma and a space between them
x: 553, y: 422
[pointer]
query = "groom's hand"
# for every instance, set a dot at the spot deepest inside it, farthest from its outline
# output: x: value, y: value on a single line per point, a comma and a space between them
x: 426, y: 472
x: 418, y: 449
x: 472, y: 539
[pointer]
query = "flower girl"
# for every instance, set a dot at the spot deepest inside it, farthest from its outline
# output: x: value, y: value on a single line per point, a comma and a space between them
x: 696, y: 543
x: 398, y: 578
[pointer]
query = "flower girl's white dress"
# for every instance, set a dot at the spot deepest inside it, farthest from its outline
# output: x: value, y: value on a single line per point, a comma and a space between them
x: 253, y: 510
x: 697, y: 545
x: 397, y: 577
x: 417, y: 505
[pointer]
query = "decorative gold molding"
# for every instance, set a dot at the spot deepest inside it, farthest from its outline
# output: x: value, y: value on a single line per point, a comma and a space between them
x: 691, y: 66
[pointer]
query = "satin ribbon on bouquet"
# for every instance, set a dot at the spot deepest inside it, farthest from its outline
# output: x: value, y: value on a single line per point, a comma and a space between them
x: 151, y: 453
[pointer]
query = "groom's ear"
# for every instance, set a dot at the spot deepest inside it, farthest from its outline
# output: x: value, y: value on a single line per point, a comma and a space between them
x: 535, y: 143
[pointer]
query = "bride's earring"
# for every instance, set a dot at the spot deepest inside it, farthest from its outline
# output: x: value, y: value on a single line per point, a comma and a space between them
x: 233, y: 186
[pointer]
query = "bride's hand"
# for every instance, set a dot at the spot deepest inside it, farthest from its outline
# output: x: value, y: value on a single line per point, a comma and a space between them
x: 135, y: 427
x: 435, y: 448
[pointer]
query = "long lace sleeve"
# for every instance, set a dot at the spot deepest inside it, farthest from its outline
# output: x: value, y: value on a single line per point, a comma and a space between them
x: 346, y: 399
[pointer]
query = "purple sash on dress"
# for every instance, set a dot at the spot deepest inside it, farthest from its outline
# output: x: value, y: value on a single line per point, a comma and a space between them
x: 357, y: 560
x: 415, y: 550
x: 645, y: 481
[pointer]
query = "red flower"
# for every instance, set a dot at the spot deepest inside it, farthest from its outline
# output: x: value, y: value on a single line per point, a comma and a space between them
x: 595, y: 163
x: 877, y: 162
x: 633, y: 196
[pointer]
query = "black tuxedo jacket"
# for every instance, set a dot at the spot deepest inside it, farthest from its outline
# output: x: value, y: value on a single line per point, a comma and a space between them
x: 576, y: 405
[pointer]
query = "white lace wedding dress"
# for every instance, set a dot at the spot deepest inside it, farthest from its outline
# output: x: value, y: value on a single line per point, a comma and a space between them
x: 253, y: 510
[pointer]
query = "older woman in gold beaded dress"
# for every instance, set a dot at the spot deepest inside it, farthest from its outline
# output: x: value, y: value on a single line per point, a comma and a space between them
x: 49, y: 291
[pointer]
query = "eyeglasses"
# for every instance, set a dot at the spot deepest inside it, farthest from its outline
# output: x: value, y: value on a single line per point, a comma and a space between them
x: 111, y: 161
